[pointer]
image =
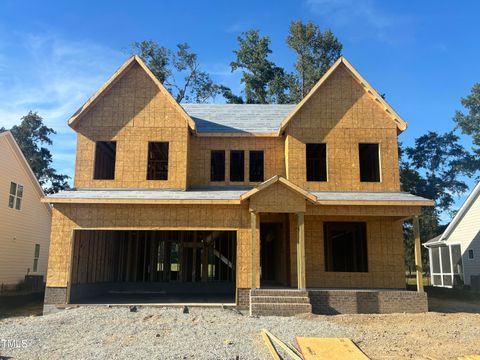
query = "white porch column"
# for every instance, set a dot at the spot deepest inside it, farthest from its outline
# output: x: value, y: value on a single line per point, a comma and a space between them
x: 301, y: 282
x: 253, y: 224
x: 418, y: 254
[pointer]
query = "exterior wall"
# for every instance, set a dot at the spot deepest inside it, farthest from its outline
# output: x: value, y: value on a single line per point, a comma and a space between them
x: 333, y: 302
x: 201, y: 147
x: 385, y: 251
x: 133, y: 112
x: 467, y: 234
x: 342, y: 115
x: 67, y: 217
x: 21, y: 229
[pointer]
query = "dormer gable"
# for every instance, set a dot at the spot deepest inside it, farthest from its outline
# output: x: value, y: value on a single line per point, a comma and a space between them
x: 133, y: 75
x: 337, y: 73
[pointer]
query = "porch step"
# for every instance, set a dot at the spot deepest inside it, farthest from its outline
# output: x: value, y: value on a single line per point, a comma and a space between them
x: 281, y: 302
x: 280, y: 309
x: 279, y: 292
x: 280, y: 299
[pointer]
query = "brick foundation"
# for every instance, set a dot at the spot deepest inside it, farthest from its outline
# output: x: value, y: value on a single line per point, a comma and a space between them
x: 243, y: 299
x: 332, y: 302
x: 55, y: 295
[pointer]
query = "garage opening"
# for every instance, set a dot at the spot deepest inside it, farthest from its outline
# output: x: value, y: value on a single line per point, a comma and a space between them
x: 135, y: 267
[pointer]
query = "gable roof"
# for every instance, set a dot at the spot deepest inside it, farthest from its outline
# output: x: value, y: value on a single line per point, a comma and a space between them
x: 238, y: 119
x: 24, y: 164
x: 74, y: 120
x: 474, y: 196
x: 401, y: 124
x: 273, y: 180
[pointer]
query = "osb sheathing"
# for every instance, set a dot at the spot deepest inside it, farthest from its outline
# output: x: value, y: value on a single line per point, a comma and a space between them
x: 132, y: 112
x: 342, y: 115
x: 200, y: 157
x: 277, y: 198
x: 68, y: 217
x: 385, y: 251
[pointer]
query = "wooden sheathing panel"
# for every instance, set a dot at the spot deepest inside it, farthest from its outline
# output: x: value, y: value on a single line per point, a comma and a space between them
x: 342, y: 115
x: 385, y: 251
x: 200, y: 151
x: 69, y: 217
x: 277, y: 198
x: 132, y: 112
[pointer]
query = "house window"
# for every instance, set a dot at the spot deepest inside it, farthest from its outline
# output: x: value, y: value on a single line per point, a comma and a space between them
x: 157, y: 168
x: 471, y: 255
x: 36, y: 256
x: 345, y: 246
x: 316, y: 162
x: 369, y: 162
x: 256, y: 166
x: 237, y: 165
x: 105, y: 154
x: 15, y: 197
x: 217, y: 165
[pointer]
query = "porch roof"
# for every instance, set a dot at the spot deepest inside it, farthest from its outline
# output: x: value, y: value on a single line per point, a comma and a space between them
x: 227, y: 195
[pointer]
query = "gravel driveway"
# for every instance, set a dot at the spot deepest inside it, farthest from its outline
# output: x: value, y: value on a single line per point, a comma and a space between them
x: 99, y: 332
x: 151, y: 333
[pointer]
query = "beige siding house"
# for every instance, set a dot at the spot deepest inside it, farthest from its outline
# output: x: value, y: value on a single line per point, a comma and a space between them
x: 455, y: 255
x: 24, y: 221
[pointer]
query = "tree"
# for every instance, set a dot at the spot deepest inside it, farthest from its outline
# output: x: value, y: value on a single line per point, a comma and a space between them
x: 316, y: 52
x: 433, y: 169
x: 178, y: 70
x: 30, y: 135
x: 264, y: 81
x: 470, y: 123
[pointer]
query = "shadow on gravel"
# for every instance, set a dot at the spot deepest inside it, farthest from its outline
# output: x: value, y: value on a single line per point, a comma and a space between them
x: 21, y: 305
x: 452, y: 300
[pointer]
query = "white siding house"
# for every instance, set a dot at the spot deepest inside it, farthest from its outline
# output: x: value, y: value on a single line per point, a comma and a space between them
x: 24, y: 221
x: 455, y: 255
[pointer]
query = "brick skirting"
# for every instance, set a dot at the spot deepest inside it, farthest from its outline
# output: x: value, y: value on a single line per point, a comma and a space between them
x: 367, y: 301
x: 243, y: 299
x: 55, y: 295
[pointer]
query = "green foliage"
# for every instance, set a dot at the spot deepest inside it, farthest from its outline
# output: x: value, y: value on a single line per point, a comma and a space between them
x: 433, y: 169
x: 435, y: 166
x: 316, y: 52
x: 178, y: 70
x: 470, y: 123
x: 30, y: 135
x: 264, y: 81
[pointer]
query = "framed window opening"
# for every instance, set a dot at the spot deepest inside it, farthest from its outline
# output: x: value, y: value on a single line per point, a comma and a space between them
x: 157, y: 167
x: 256, y: 173
x: 316, y: 157
x: 217, y: 165
x: 105, y: 158
x: 237, y: 165
x: 369, y: 158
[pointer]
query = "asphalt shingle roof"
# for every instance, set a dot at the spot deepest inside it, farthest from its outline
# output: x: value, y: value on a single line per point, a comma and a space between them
x: 221, y: 193
x: 238, y: 118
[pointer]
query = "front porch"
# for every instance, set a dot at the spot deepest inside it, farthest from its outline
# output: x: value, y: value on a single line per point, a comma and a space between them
x: 327, y: 259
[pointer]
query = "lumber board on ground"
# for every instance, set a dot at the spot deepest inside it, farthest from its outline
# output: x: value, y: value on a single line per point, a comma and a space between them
x: 315, y: 348
x: 270, y: 347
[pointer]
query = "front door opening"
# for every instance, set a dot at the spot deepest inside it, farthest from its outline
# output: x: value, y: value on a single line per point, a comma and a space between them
x: 153, y: 267
x: 273, y: 250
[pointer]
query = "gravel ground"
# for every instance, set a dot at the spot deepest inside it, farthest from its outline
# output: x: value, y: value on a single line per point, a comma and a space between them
x: 213, y: 333
x: 151, y: 333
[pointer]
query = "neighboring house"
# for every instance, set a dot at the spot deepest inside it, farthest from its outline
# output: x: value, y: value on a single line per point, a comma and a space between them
x: 216, y: 200
x: 25, y: 221
x: 455, y: 255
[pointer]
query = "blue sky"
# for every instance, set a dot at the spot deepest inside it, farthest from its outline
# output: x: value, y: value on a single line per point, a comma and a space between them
x: 54, y: 54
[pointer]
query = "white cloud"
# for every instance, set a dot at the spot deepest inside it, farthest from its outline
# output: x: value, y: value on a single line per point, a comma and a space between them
x: 365, y: 16
x: 53, y: 76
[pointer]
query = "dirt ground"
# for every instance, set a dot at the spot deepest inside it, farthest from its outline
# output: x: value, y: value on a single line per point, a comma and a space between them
x: 412, y: 336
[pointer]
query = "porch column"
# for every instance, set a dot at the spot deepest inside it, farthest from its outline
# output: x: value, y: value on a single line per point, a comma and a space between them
x: 301, y: 283
x: 253, y: 224
x: 418, y: 254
